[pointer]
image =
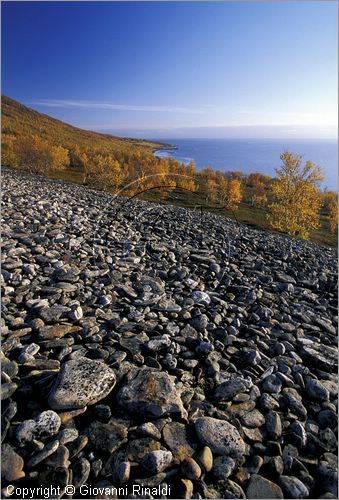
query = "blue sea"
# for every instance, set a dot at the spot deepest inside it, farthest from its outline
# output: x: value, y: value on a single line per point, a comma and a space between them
x: 254, y: 155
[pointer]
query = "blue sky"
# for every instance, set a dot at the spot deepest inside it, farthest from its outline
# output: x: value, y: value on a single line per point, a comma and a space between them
x: 176, y: 69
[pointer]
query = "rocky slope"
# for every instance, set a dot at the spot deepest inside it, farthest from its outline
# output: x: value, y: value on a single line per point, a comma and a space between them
x: 149, y: 346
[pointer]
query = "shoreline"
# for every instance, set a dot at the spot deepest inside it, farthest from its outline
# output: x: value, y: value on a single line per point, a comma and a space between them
x: 253, y: 155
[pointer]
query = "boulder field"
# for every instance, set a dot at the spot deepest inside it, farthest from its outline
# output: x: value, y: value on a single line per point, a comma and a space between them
x: 151, y: 345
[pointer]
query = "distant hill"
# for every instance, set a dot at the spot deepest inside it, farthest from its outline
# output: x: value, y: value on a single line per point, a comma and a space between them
x: 17, y: 119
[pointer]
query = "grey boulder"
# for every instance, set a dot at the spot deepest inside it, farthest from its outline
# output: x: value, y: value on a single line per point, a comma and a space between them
x: 222, y: 437
x: 81, y: 382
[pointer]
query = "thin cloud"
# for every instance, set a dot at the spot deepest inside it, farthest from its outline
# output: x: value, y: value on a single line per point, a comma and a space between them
x: 60, y: 103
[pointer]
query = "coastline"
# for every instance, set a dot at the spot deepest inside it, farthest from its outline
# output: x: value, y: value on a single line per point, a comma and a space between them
x: 253, y: 155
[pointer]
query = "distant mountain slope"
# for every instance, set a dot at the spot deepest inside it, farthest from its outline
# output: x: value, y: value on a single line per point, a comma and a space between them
x: 17, y: 119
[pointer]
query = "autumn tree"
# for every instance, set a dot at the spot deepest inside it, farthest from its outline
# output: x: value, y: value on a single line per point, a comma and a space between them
x: 334, y: 216
x: 219, y: 187
x: 296, y: 204
x: 8, y: 157
x: 37, y: 155
x: 102, y: 171
x: 185, y: 176
x: 330, y: 208
x: 233, y: 193
x: 60, y: 158
x: 256, y: 190
x: 208, y: 184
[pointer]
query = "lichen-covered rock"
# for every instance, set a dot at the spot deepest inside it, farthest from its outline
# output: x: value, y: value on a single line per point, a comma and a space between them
x: 222, y: 437
x: 157, y: 460
x: 110, y: 436
x: 179, y: 439
x: 81, y: 382
x: 150, y: 393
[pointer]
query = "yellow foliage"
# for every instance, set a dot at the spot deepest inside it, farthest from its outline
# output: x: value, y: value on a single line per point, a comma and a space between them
x: 7, y: 152
x: 334, y: 215
x: 256, y: 189
x: 60, y: 158
x: 296, y: 198
x: 208, y: 185
x: 33, y: 154
x: 36, y: 155
x: 102, y: 170
x: 329, y: 198
x: 259, y: 200
x: 233, y: 193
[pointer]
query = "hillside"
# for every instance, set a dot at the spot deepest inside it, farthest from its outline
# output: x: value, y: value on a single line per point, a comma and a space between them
x: 145, y: 345
x: 19, y: 119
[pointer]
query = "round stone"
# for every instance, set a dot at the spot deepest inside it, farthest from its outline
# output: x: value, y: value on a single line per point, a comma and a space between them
x: 190, y: 469
x: 316, y: 391
x: 81, y: 382
x: 222, y: 437
x: 205, y: 458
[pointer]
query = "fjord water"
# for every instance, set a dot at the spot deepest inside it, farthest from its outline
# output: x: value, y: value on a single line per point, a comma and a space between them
x: 255, y: 155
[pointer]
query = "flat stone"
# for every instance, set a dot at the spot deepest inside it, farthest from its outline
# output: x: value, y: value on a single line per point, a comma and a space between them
x: 186, y: 486
x: 201, y: 297
x: 272, y: 384
x: 67, y: 435
x: 81, y: 470
x: 133, y: 342
x: 81, y: 382
x: 7, y: 389
x: 25, y: 431
x: 137, y: 448
x: 58, y: 459
x: 260, y: 487
x: 321, y: 355
x: 222, y: 437
x: 148, y: 429
x: 44, y: 453
x: 122, y: 472
x: 159, y: 343
x: 199, y: 322
x: 67, y: 273
x: 54, y: 313
x: 254, y: 434
x: 56, y: 331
